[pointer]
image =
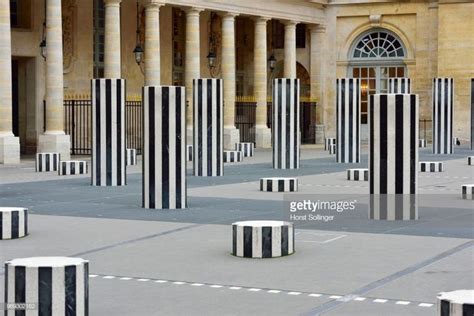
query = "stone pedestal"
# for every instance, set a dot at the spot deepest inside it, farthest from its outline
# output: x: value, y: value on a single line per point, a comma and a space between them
x: 208, y: 128
x: 54, y: 285
x: 361, y: 174
x: 348, y: 120
x: 9, y: 150
x: 231, y: 137
x: 470, y: 160
x: 455, y: 303
x: 467, y: 191
x: 131, y: 154
x: 263, y: 137
x: 431, y: 166
x: 393, y: 156
x: 13, y: 222
x: 247, y: 149
x: 60, y: 143
x: 72, y: 167
x: 108, y: 133
x: 443, y: 91
x: 278, y: 184
x: 286, y: 123
x: 164, y: 147
x: 399, y: 85
x: 422, y: 143
x: 319, y: 134
x: 472, y: 113
x: 45, y: 162
x: 233, y: 156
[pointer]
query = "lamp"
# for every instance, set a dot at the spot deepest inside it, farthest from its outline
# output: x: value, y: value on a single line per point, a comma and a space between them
x: 138, y: 51
x: 272, y: 62
x: 211, y: 60
x: 43, y: 36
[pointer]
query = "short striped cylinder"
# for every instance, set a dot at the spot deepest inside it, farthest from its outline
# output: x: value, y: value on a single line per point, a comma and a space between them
x: 189, y: 152
x: 472, y: 113
x: 47, y: 162
x: 286, y: 123
x: 467, y: 191
x: 332, y: 149
x: 422, y: 143
x: 393, y: 156
x: 164, y: 147
x: 443, y: 91
x: 399, y: 85
x: 431, y: 166
x: 263, y: 239
x: 470, y: 160
x: 72, y: 167
x: 131, y: 156
x: 233, y: 156
x: 456, y: 141
x: 455, y: 303
x: 53, y: 285
x: 328, y: 142
x: 247, y: 149
x: 208, y: 120
x: 108, y: 164
x: 13, y: 222
x: 358, y: 174
x: 279, y: 184
x: 348, y: 120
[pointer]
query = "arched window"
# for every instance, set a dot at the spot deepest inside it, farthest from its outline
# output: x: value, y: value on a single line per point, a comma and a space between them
x: 378, y: 44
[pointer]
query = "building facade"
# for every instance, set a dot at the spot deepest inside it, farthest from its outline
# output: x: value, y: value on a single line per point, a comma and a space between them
x: 317, y: 41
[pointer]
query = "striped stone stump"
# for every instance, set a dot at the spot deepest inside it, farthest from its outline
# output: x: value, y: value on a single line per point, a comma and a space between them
x: 47, y: 162
x: 13, y: 222
x: 470, y: 160
x: 247, y: 149
x: 443, y: 91
x: 422, y: 143
x: 358, y: 174
x: 53, y: 285
x: 332, y: 149
x: 467, y: 191
x: 393, y: 156
x: 455, y: 303
x: 399, y: 85
x: 131, y: 156
x: 456, y: 141
x: 328, y: 142
x: 263, y: 239
x: 164, y: 147
x: 189, y: 152
x: 472, y: 113
x: 233, y: 156
x: 279, y: 184
x: 208, y: 121
x: 72, y: 167
x: 431, y: 166
x: 286, y: 123
x: 348, y: 120
x: 108, y: 164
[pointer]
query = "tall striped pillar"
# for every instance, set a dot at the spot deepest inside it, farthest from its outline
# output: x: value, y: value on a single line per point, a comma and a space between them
x: 399, y: 85
x: 108, y: 132
x: 286, y: 123
x: 393, y: 156
x: 208, y: 120
x: 164, y: 147
x: 348, y: 120
x: 472, y: 113
x: 443, y: 90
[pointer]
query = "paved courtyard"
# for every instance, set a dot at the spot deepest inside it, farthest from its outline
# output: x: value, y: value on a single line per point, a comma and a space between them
x: 151, y: 262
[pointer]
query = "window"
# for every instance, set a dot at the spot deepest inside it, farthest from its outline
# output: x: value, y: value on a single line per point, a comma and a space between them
x: 20, y: 14
x: 379, y: 45
x: 99, y: 38
x: 300, y: 35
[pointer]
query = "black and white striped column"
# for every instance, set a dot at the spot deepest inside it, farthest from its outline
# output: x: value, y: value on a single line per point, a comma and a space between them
x: 263, y: 239
x: 53, y: 285
x: 208, y: 128
x: 13, y: 222
x: 233, y: 156
x: 328, y: 142
x: 108, y: 164
x: 131, y: 154
x: 286, y: 123
x: 72, y: 167
x: 472, y: 113
x: 348, y: 120
x: 422, y: 143
x: 189, y: 152
x: 278, y: 184
x: 247, y: 149
x: 358, y: 174
x: 467, y: 191
x: 443, y: 91
x: 431, y: 166
x: 47, y: 162
x: 164, y: 147
x: 455, y: 303
x: 470, y: 160
x: 399, y: 85
x: 332, y: 149
x: 393, y: 156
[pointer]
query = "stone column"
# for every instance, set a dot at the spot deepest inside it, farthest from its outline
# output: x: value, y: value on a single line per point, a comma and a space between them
x: 54, y: 139
x: 152, y: 43
x: 263, y: 135
x: 231, y: 133
x: 289, y: 70
x: 317, y: 78
x: 112, y: 61
x: 9, y: 144
x: 399, y: 85
x: 443, y: 91
x: 192, y: 64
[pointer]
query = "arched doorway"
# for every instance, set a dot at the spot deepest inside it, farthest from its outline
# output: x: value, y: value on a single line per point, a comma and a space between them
x: 375, y: 56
